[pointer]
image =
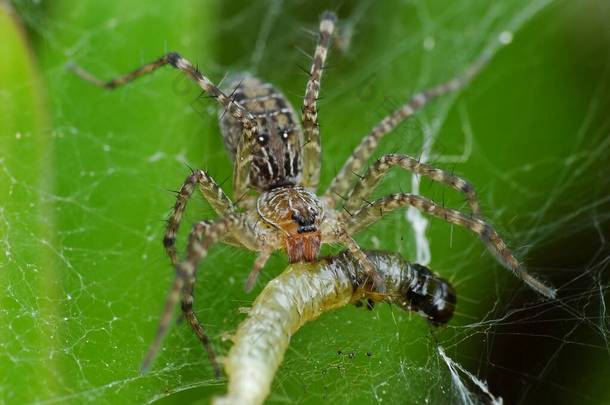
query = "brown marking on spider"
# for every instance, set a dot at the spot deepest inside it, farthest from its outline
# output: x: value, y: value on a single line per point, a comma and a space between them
x: 280, y: 160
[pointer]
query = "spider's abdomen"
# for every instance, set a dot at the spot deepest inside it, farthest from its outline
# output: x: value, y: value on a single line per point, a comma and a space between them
x: 276, y: 154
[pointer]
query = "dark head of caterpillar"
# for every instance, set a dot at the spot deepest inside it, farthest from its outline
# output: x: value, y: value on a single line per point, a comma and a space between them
x: 431, y: 295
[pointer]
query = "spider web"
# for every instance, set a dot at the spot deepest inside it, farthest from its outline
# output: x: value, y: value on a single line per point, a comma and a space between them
x: 85, y: 174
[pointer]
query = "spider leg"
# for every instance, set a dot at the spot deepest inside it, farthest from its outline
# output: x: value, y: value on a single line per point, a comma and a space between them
x: 345, y: 178
x: 374, y: 174
x: 199, y: 229
x: 185, y: 275
x: 259, y: 263
x: 197, y: 232
x: 121, y: 80
x: 243, y: 160
x: 170, y: 304
x: 189, y: 315
x: 212, y: 192
x: 309, y: 112
x: 488, y: 235
x: 333, y: 232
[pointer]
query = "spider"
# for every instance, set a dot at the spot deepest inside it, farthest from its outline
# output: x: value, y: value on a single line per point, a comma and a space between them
x: 275, y: 180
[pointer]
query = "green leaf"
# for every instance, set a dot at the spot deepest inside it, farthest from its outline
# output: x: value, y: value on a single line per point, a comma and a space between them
x: 30, y: 266
x: 86, y: 174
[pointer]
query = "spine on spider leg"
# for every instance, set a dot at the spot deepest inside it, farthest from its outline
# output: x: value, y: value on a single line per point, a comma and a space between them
x: 305, y: 291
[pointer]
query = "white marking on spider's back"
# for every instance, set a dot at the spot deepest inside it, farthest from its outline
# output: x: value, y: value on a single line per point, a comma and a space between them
x: 290, y: 207
x: 269, y: 167
x: 273, y: 113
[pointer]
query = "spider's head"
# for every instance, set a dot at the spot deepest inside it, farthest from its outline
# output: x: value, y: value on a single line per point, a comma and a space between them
x: 297, y: 213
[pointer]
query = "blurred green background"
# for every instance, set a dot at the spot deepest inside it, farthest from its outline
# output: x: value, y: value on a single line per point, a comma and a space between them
x: 84, y: 175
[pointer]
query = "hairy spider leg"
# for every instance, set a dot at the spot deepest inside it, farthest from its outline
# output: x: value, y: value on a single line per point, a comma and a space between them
x: 185, y: 275
x: 382, y: 166
x: 341, y: 235
x: 378, y: 208
x: 345, y: 178
x: 309, y: 112
x: 199, y: 229
x: 212, y: 192
x: 259, y: 263
x: 243, y: 158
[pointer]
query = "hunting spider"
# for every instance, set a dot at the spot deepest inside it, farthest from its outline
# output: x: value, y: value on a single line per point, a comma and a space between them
x: 279, y: 160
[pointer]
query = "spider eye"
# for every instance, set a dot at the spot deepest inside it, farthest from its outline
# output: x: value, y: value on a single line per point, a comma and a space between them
x: 262, y: 139
x: 305, y: 224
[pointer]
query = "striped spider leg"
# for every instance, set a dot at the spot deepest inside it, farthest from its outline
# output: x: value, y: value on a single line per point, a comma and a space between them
x: 380, y: 168
x: 345, y: 179
x: 211, y: 191
x: 199, y: 230
x: 372, y: 212
x: 309, y: 112
x: 244, y: 158
x: 233, y: 229
x: 368, y: 213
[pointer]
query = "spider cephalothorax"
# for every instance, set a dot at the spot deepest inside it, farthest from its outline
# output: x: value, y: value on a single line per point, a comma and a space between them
x: 280, y: 159
x: 297, y: 213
